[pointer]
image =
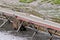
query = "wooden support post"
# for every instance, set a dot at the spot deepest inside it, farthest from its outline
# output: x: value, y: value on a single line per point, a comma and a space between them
x: 19, y: 26
x: 51, y: 34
